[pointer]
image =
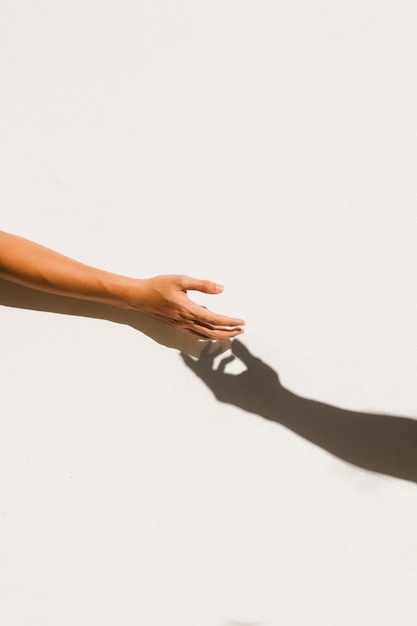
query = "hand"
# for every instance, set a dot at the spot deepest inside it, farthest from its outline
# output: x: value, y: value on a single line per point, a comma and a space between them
x: 380, y: 443
x: 165, y: 297
x: 256, y: 390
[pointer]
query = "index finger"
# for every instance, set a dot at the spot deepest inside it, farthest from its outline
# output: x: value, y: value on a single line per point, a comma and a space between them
x: 241, y: 351
x: 208, y: 317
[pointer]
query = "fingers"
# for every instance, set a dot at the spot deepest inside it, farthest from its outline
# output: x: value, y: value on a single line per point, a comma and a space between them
x: 207, y: 332
x: 205, y: 362
x: 241, y: 351
x: 224, y: 362
x: 207, y: 317
x: 169, y: 301
x: 207, y: 356
x: 195, y: 284
x: 213, y: 326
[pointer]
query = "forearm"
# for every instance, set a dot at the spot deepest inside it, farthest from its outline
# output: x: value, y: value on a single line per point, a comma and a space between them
x: 32, y: 265
x: 164, y: 297
x: 380, y: 443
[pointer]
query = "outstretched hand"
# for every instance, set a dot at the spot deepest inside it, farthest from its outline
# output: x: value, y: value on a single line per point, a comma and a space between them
x: 380, y: 443
x: 256, y: 390
x: 166, y: 298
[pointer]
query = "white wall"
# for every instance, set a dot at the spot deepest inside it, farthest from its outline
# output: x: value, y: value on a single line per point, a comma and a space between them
x: 269, y: 146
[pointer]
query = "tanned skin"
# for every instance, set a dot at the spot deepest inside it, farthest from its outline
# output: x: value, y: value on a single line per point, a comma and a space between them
x: 163, y: 297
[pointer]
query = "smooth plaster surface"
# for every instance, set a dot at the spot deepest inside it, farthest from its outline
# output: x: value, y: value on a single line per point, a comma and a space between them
x: 269, y: 146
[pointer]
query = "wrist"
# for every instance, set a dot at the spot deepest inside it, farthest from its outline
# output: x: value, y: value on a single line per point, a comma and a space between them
x: 125, y: 292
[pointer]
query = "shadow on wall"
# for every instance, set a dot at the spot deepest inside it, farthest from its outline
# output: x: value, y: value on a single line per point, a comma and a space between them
x: 16, y: 296
x: 380, y: 443
x: 385, y: 444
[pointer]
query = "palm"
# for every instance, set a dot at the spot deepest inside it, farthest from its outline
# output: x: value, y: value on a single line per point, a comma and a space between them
x: 254, y: 390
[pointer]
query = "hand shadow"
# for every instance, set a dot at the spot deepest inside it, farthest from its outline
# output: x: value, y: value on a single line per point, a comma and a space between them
x: 17, y: 296
x: 386, y: 444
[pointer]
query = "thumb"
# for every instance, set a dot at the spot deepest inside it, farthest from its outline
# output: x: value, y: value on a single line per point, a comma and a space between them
x: 240, y: 350
x: 195, y: 284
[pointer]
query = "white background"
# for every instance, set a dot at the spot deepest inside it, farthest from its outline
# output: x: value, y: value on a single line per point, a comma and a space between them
x: 270, y: 146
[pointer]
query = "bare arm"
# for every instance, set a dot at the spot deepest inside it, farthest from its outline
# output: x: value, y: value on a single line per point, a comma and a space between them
x: 164, y: 297
x: 380, y: 443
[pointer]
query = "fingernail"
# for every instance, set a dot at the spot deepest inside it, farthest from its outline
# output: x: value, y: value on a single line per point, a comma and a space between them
x: 219, y: 288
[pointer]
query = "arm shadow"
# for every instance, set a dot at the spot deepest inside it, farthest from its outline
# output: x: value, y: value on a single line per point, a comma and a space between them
x: 386, y: 444
x: 17, y: 296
